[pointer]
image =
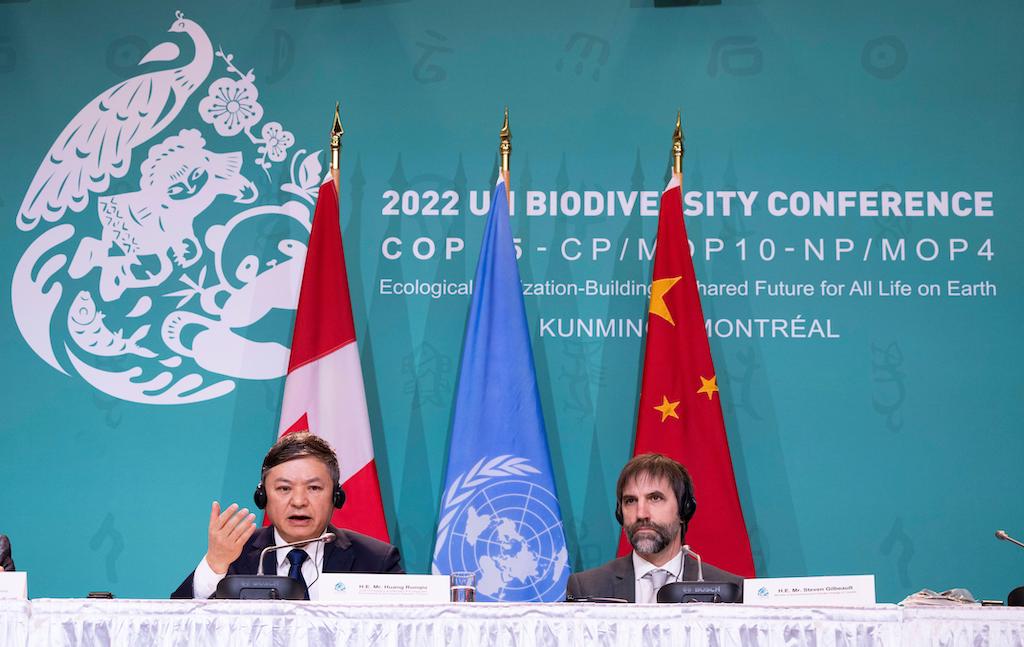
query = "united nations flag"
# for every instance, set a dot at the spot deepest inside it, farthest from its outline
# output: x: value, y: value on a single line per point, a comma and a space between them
x: 500, y: 516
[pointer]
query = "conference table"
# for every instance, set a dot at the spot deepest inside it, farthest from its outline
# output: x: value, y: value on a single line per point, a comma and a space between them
x: 229, y: 623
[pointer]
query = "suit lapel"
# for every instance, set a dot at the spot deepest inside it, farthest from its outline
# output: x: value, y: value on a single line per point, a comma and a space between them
x: 689, y: 569
x: 624, y: 585
x: 338, y: 558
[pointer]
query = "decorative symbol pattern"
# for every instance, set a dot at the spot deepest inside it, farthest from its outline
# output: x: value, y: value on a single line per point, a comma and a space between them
x: 425, y: 71
x: 735, y: 56
x: 884, y: 57
x: 592, y: 49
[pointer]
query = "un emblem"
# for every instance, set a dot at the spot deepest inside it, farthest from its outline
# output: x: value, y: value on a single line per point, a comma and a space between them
x: 501, y: 522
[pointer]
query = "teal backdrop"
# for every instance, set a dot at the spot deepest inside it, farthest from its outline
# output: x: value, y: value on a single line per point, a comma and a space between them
x: 870, y: 433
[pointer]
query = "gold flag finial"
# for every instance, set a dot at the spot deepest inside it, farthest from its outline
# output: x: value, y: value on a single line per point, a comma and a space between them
x: 336, y: 132
x: 505, y: 136
x: 677, y: 146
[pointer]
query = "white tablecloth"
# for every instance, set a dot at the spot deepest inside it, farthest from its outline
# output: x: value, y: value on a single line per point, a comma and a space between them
x: 14, y: 615
x: 213, y: 623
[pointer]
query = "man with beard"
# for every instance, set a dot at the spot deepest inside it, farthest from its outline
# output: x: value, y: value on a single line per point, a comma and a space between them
x: 654, y: 504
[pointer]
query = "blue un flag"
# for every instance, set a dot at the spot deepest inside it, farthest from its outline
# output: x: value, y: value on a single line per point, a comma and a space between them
x: 500, y: 516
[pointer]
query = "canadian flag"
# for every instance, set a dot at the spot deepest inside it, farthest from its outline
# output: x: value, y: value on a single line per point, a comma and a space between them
x: 324, y: 389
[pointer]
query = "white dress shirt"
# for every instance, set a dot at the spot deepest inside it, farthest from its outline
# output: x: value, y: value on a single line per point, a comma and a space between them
x: 205, y: 581
x: 645, y: 592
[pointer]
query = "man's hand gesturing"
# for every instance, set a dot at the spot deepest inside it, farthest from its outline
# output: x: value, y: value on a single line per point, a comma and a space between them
x: 229, y: 530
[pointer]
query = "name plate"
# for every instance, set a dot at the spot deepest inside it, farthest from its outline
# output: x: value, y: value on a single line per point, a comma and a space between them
x: 13, y: 585
x: 827, y: 591
x: 384, y: 589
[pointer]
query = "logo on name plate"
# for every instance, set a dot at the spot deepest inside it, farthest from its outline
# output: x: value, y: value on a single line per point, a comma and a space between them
x: 498, y: 523
x: 153, y: 271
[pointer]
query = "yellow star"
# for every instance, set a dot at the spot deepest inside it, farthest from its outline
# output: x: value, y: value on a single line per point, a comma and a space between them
x: 708, y: 386
x: 667, y: 409
x: 659, y: 288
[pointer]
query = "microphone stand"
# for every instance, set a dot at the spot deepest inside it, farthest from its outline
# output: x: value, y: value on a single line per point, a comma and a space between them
x: 267, y: 587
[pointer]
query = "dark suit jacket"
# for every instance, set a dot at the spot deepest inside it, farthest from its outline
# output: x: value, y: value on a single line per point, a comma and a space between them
x: 5, y: 553
x: 617, y: 579
x: 351, y: 552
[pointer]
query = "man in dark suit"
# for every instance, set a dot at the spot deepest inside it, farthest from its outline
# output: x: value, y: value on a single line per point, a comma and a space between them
x: 6, y: 561
x: 654, y: 504
x: 299, y: 487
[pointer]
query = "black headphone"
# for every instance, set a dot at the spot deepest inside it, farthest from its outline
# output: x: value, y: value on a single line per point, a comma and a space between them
x: 687, y: 505
x: 259, y: 496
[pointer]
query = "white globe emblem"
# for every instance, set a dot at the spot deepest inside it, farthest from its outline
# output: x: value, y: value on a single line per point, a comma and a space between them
x: 508, y: 531
x: 152, y: 272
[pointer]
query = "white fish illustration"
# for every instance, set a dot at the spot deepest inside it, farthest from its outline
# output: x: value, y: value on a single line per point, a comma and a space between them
x: 86, y: 326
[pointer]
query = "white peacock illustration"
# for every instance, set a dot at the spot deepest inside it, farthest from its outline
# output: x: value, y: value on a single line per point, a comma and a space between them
x: 168, y: 259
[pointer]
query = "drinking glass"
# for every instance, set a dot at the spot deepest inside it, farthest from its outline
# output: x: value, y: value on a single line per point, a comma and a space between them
x: 463, y: 587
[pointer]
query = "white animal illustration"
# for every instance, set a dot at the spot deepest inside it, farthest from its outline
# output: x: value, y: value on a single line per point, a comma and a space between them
x: 85, y: 323
x: 180, y: 179
x: 97, y: 144
x: 214, y: 345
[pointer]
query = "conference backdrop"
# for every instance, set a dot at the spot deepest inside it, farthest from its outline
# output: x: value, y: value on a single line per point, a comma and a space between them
x: 852, y: 196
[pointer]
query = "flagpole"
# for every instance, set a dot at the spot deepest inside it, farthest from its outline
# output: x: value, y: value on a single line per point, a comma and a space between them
x: 336, y: 132
x: 505, y: 148
x: 677, y: 149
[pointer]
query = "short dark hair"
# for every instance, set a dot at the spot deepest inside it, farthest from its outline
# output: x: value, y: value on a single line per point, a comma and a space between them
x: 656, y: 466
x: 299, y: 445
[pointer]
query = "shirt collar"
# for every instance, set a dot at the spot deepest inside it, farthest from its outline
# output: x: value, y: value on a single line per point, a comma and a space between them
x: 642, y: 567
x: 315, y: 551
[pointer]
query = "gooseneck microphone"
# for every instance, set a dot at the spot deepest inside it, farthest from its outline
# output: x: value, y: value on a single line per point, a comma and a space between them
x: 700, y: 590
x: 267, y: 587
x: 1001, y: 534
x: 326, y: 537
x: 1016, y: 596
x: 700, y: 564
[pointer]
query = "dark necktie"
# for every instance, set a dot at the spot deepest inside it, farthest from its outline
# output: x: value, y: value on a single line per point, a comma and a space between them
x: 296, y: 556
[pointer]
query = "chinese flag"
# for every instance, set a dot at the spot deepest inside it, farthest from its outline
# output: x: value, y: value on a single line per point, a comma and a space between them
x: 680, y: 413
x: 324, y: 389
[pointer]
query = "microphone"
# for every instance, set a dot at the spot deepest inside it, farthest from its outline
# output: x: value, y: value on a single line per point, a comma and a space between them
x: 1001, y: 534
x: 326, y: 537
x: 699, y: 591
x: 1016, y: 596
x: 267, y: 587
x: 700, y: 564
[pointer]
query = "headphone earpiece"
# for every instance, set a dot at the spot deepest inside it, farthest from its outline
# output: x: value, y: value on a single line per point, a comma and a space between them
x: 339, y: 496
x: 259, y: 496
x: 688, y: 507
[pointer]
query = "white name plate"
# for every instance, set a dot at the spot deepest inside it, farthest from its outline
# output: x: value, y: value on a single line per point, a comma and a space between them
x: 13, y: 585
x: 384, y: 589
x: 827, y: 591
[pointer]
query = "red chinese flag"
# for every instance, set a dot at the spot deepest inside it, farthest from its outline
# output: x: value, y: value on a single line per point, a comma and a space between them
x: 680, y: 413
x: 324, y: 389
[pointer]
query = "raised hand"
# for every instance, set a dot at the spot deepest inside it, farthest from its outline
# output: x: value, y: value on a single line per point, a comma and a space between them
x: 229, y: 530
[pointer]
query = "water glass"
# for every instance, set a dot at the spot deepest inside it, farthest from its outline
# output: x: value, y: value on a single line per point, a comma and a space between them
x: 463, y: 587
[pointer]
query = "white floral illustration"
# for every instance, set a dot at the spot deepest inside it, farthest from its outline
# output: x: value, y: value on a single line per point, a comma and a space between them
x: 231, y: 106
x: 276, y: 141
